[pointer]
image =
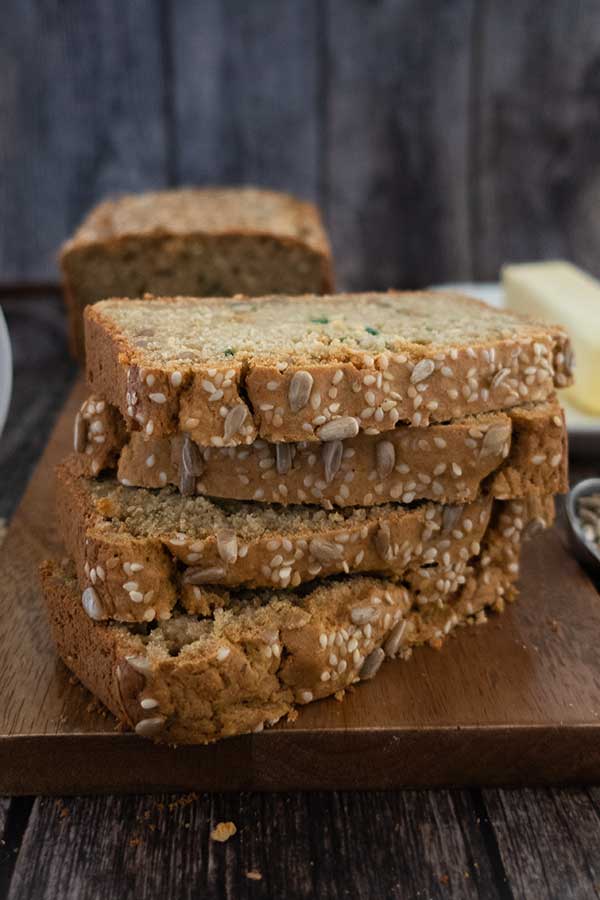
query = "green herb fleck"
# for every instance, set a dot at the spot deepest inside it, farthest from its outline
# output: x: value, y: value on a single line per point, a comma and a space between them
x: 371, y: 330
x: 228, y: 352
x: 320, y: 320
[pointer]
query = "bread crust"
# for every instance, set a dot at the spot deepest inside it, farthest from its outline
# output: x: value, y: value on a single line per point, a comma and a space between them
x: 140, y: 578
x: 193, y: 681
x: 168, y: 223
x: 354, y: 391
x: 507, y: 454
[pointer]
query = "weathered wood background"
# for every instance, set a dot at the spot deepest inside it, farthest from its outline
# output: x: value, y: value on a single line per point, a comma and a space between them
x: 441, y: 137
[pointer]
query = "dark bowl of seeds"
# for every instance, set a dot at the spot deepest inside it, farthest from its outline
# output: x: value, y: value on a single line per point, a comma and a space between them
x: 583, y: 516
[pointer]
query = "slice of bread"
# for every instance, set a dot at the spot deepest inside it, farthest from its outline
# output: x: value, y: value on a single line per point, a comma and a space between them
x: 224, y: 370
x: 209, y: 241
x: 511, y: 454
x: 195, y: 680
x: 137, y: 551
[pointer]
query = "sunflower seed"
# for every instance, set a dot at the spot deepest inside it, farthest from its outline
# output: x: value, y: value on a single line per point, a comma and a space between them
x: 494, y: 440
x: 187, y: 484
x: 325, y: 551
x: 395, y: 639
x: 227, y: 545
x: 191, y: 458
x: 283, y: 457
x: 150, y: 727
x: 533, y: 527
x: 149, y: 703
x: 130, y: 680
x: 299, y: 391
x: 338, y: 429
x: 383, y: 543
x: 203, y: 576
x: 332, y: 459
x: 385, y: 456
x: 592, y: 501
x: 450, y: 517
x: 91, y: 603
x: 422, y: 370
x: 79, y: 433
x: 498, y: 378
x: 372, y: 663
x: 140, y: 663
x: 234, y: 420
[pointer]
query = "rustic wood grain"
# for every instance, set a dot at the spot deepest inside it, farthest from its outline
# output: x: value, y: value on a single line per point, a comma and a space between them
x: 397, y: 159
x: 14, y: 814
x: 246, y: 93
x: 302, y: 845
x: 516, y: 701
x: 83, y: 115
x: 442, y: 139
x: 548, y: 841
x: 536, y: 173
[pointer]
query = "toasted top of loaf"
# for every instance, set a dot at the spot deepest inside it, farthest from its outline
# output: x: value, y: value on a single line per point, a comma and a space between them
x: 310, y: 329
x: 318, y: 368
x: 202, y: 210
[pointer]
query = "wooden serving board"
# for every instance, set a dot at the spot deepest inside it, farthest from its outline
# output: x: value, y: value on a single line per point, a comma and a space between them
x: 515, y: 701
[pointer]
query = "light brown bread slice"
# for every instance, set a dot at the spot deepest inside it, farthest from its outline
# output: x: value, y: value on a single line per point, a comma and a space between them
x: 193, y: 680
x: 225, y: 370
x: 137, y: 551
x: 207, y: 241
x: 511, y: 454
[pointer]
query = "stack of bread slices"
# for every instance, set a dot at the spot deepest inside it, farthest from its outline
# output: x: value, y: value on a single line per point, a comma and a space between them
x: 269, y: 497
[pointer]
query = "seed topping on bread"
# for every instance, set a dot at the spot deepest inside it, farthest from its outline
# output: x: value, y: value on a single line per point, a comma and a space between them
x: 284, y: 369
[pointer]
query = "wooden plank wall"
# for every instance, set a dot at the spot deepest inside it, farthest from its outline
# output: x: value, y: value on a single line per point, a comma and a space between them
x: 441, y: 137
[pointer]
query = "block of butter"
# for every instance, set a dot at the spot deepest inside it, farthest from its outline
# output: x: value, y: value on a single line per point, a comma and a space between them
x: 560, y: 293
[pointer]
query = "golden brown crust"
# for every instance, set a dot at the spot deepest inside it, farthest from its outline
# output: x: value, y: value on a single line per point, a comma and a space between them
x: 159, y: 230
x: 212, y: 210
x: 509, y: 454
x: 302, y: 398
x: 249, y: 666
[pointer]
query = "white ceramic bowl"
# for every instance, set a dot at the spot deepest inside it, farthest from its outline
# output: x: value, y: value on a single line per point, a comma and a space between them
x: 5, y: 371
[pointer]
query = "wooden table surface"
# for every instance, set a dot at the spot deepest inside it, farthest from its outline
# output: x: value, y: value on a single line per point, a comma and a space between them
x: 527, y: 843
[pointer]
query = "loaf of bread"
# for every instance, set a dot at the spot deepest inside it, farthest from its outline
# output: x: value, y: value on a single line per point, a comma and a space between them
x: 509, y: 454
x: 227, y: 370
x: 214, y: 241
x: 190, y: 679
x: 138, y: 552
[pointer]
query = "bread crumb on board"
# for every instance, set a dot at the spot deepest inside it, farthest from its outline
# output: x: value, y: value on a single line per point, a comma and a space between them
x: 223, y: 831
x: 254, y: 875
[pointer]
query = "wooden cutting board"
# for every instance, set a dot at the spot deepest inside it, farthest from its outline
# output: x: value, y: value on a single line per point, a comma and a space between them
x: 515, y: 701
